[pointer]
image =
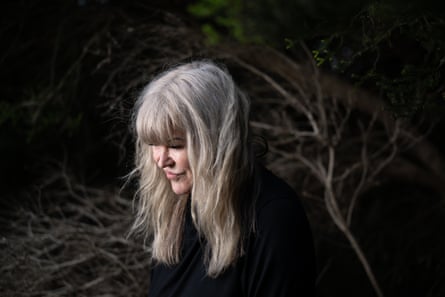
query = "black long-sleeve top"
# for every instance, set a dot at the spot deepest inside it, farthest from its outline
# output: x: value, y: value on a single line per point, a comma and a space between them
x: 279, y: 258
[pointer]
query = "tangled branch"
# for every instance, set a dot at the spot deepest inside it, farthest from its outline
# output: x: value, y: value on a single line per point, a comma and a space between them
x: 73, y: 244
x: 317, y: 136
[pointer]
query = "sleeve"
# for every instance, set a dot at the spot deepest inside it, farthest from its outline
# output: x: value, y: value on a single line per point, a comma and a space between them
x: 280, y: 261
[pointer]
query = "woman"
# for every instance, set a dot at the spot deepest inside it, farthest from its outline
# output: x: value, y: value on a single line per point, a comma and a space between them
x: 218, y: 223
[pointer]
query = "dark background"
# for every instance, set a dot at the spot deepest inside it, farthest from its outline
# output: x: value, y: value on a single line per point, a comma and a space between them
x: 70, y: 72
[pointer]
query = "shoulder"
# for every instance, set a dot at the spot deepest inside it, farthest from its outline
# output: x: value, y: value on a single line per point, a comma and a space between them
x: 280, y: 216
x: 281, y: 244
x: 273, y: 191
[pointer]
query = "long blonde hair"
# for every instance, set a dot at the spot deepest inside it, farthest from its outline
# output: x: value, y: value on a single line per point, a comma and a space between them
x: 200, y: 100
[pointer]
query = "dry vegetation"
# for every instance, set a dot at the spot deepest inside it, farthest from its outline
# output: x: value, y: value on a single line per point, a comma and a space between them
x: 73, y: 243
x: 331, y: 142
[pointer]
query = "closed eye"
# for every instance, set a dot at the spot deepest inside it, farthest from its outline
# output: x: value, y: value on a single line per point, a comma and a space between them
x: 176, y: 146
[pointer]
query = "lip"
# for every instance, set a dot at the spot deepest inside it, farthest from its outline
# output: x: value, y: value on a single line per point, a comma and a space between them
x: 172, y: 175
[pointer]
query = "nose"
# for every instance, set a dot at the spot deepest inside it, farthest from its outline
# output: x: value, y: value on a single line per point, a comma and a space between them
x: 162, y: 156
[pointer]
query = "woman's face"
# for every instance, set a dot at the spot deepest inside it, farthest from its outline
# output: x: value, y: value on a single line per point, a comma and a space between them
x: 173, y: 160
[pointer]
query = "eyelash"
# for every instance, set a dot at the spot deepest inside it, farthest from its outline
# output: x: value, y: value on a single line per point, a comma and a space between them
x: 172, y: 146
x: 176, y: 147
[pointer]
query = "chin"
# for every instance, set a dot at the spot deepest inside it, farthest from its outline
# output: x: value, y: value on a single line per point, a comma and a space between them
x: 181, y: 191
x: 181, y: 188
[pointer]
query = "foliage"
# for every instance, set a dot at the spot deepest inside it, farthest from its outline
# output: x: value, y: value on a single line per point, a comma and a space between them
x: 393, y: 48
x: 221, y: 18
x: 266, y: 21
x: 400, y: 57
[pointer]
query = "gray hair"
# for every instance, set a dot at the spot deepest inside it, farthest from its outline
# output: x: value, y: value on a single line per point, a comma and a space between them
x: 200, y: 100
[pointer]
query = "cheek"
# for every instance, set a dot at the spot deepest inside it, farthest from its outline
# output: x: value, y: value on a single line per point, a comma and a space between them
x: 183, y: 160
x: 187, y: 165
x: 153, y: 153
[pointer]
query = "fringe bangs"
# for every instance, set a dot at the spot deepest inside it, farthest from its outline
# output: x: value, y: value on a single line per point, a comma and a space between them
x: 159, y: 120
